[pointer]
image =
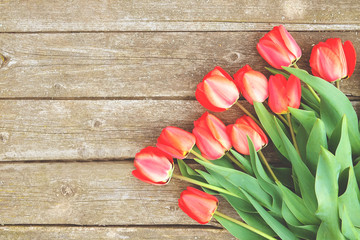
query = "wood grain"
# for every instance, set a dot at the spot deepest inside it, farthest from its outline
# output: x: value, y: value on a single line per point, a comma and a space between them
x: 134, y: 65
x: 112, y: 233
x: 88, y: 130
x: 186, y: 15
x: 88, y: 193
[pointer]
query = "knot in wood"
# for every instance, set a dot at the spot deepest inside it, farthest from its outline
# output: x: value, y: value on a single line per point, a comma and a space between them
x: 4, y: 137
x: 232, y: 57
x: 67, y: 190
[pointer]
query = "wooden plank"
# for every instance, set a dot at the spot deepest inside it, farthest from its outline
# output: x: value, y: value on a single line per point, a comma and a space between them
x: 85, y: 129
x: 186, y: 15
x: 134, y: 65
x: 88, y: 193
x: 97, y: 233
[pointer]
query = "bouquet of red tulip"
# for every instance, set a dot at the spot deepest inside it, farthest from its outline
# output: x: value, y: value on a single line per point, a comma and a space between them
x: 315, y: 193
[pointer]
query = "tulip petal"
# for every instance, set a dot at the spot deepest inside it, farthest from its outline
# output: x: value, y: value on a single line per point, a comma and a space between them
x: 153, y: 166
x: 218, y: 71
x: 350, y: 55
x: 238, y: 134
x: 203, y: 100
x: 250, y: 122
x: 175, y: 142
x: 326, y: 63
x: 198, y: 205
x: 278, y: 101
x: 254, y: 87
x: 276, y: 37
x: 273, y: 54
x: 218, y: 130
x: 290, y: 42
x: 207, y: 144
x: 220, y: 91
x: 336, y: 46
x: 293, y: 89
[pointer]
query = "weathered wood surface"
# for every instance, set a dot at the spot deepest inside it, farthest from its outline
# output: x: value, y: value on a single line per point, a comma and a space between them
x: 134, y: 65
x: 186, y: 15
x: 88, y: 193
x: 112, y: 233
x: 89, y: 130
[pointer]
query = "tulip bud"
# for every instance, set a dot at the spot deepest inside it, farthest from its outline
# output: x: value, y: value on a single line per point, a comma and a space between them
x: 332, y: 60
x: 176, y: 142
x: 253, y: 85
x: 284, y: 93
x: 242, y: 128
x: 153, y: 166
x: 279, y: 48
x: 211, y: 136
x: 217, y: 92
x: 198, y: 205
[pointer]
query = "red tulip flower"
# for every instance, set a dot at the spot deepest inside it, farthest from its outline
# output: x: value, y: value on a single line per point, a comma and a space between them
x: 284, y: 93
x: 153, y: 166
x: 332, y: 60
x: 217, y: 92
x: 211, y: 136
x: 176, y: 142
x: 279, y: 48
x: 242, y: 128
x: 198, y: 205
x: 253, y: 85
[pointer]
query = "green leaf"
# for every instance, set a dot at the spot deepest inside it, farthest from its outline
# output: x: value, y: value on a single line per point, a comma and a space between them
x: 253, y: 219
x: 300, y: 230
x: 350, y: 200
x: 326, y: 188
x: 237, y: 230
x: 317, y: 139
x: 333, y: 106
x: 309, y: 99
x: 264, y: 180
x: 268, y: 122
x: 306, y: 118
x: 280, y: 229
x: 302, y: 138
x: 357, y: 172
x: 306, y: 179
x: 277, y: 71
x: 211, y: 180
x: 241, y: 180
x: 284, y: 176
x: 347, y: 227
x: 187, y: 171
x: 243, y: 161
x: 297, y: 206
x: 343, y: 151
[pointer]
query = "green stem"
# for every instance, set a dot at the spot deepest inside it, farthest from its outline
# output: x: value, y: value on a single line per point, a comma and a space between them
x: 309, y: 87
x: 283, y: 119
x: 249, y: 114
x: 199, y: 156
x: 292, y: 133
x: 236, y: 162
x: 263, y: 159
x: 202, y: 184
x: 337, y: 83
x: 244, y: 225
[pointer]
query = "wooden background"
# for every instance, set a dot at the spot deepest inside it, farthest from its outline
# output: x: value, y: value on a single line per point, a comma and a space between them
x: 84, y: 85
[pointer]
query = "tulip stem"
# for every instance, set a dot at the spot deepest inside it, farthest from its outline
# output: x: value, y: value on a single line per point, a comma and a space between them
x: 337, y: 83
x: 244, y: 225
x: 283, y: 119
x: 236, y: 162
x: 248, y: 113
x: 309, y: 87
x: 199, y: 156
x: 205, y: 185
x: 292, y: 132
x: 263, y: 159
